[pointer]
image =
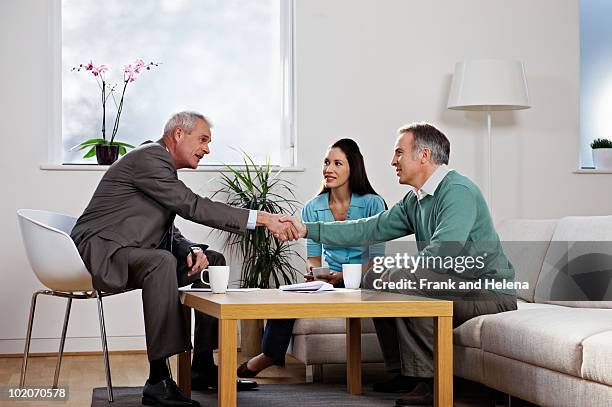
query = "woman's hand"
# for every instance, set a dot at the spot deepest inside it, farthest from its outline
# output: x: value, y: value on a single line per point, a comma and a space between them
x: 308, y: 276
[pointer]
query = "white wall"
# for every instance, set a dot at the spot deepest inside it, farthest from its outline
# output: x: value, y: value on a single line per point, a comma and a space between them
x: 363, y: 69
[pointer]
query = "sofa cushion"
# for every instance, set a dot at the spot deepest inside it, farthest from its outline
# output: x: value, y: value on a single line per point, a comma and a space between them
x: 597, y: 358
x: 578, y: 263
x: 307, y: 326
x: 549, y: 336
x: 525, y: 243
x: 469, y: 333
x: 331, y: 348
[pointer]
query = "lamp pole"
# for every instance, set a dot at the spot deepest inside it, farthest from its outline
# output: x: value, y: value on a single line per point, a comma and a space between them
x: 490, y: 164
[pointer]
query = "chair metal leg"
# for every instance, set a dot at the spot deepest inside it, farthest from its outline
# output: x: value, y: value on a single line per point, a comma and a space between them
x: 109, y: 384
x: 26, y: 351
x: 60, y: 353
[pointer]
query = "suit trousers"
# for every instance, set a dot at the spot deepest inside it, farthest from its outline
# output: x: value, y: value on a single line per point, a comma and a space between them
x: 407, y: 343
x: 159, y: 274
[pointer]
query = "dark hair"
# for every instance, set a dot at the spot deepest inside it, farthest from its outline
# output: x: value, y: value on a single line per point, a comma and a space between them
x: 427, y: 136
x: 358, y: 179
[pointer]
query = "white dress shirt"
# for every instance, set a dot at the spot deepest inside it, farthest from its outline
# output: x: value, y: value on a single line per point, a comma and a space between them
x: 430, y: 186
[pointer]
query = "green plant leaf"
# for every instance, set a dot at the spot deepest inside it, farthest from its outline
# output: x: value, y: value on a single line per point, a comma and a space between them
x: 601, y: 143
x: 91, y: 152
x: 266, y: 261
x: 89, y: 143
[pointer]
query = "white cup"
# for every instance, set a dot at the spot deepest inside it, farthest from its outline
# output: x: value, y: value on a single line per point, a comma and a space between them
x: 351, y: 274
x: 219, y: 278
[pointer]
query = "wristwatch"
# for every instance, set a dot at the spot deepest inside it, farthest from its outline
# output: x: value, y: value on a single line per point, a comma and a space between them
x: 196, y: 249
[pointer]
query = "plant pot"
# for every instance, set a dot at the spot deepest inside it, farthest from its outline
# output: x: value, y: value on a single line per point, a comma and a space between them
x: 106, y: 154
x: 251, y: 331
x: 602, y: 158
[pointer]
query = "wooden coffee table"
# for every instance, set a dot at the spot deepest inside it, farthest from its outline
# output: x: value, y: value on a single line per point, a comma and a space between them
x: 275, y: 304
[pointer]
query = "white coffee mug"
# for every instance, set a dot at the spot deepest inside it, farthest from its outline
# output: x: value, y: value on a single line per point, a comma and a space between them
x: 218, y: 277
x: 351, y: 274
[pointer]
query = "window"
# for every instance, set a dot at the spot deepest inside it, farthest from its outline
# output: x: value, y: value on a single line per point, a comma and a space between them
x: 595, y: 75
x: 230, y: 60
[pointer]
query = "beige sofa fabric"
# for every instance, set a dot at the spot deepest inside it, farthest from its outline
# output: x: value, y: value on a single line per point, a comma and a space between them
x: 316, y: 349
x: 544, y: 387
x: 567, y: 256
x: 526, y: 259
x: 328, y: 326
x: 546, y: 337
x: 597, y: 358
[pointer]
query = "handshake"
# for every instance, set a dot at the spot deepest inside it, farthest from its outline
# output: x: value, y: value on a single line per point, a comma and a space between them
x: 283, y: 227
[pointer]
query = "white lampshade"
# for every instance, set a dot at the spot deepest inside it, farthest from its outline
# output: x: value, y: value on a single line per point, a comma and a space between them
x: 489, y: 84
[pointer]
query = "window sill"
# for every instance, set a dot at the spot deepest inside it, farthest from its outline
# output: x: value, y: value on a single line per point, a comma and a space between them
x: 592, y: 171
x: 201, y: 168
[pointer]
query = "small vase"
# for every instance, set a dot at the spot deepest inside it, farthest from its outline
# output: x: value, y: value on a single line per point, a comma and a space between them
x: 106, y: 154
x: 602, y: 158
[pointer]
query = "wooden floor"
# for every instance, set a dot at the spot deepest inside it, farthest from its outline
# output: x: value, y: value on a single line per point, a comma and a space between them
x: 83, y: 373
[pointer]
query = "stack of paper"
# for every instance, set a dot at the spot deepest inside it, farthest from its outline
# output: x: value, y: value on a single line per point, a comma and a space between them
x: 311, y: 286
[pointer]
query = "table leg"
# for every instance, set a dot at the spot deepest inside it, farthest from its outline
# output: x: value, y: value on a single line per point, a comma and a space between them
x: 353, y: 355
x: 228, y: 359
x: 184, y: 359
x: 443, y: 361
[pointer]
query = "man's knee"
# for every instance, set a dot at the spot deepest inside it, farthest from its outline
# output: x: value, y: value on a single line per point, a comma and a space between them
x: 165, y: 264
x: 215, y: 258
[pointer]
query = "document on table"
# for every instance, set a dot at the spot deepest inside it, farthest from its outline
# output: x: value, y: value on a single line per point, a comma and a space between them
x: 311, y: 287
x: 207, y: 290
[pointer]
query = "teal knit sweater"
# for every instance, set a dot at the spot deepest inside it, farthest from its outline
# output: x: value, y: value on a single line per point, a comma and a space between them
x: 452, y: 223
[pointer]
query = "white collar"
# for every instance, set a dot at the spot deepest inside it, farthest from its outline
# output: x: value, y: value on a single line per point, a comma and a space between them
x: 430, y: 186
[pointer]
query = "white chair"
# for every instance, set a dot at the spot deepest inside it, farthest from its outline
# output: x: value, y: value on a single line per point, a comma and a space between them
x: 57, y: 263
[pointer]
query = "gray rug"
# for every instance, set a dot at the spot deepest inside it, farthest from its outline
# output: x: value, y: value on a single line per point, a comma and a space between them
x: 268, y: 395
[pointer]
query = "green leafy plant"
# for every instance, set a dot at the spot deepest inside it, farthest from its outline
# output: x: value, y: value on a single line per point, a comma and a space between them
x: 601, y: 143
x: 266, y: 259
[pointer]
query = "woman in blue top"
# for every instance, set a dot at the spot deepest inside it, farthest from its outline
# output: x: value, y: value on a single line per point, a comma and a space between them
x: 346, y: 194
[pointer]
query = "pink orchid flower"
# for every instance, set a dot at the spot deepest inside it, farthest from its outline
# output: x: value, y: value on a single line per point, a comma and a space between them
x: 138, y: 64
x: 89, y: 66
x: 132, y: 75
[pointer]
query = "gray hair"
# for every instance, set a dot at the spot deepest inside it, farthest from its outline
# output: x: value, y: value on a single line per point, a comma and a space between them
x: 185, y: 120
x: 427, y: 136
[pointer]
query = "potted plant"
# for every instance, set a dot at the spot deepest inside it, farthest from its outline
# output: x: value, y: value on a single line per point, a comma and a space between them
x: 108, y: 150
x: 602, y: 153
x: 266, y: 260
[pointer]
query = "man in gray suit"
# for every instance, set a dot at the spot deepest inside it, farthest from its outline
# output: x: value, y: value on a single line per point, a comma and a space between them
x: 127, y: 240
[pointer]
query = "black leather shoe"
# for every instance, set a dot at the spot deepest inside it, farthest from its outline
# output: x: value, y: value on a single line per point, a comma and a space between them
x: 207, y: 380
x: 399, y: 384
x: 165, y: 394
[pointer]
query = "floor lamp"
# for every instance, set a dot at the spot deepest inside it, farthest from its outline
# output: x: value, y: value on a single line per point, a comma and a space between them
x: 489, y: 85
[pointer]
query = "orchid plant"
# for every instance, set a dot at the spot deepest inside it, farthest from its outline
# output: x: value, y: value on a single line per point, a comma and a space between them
x: 130, y: 74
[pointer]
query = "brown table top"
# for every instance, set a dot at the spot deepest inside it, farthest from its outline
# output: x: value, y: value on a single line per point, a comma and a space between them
x: 274, y: 304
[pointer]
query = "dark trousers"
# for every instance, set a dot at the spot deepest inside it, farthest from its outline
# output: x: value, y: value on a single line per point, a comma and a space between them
x: 276, y: 338
x: 158, y: 273
x: 407, y: 343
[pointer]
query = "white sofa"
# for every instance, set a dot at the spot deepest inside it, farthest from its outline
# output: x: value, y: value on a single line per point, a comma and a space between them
x: 548, y: 353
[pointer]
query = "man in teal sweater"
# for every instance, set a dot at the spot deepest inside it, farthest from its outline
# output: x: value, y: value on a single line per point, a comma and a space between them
x: 451, y: 222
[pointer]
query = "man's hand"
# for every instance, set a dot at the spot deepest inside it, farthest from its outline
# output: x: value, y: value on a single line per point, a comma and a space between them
x: 333, y: 277
x: 298, y: 225
x: 200, y: 263
x: 281, y: 230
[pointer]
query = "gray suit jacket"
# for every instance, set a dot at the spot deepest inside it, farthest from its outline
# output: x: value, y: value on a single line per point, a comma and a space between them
x: 134, y: 206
